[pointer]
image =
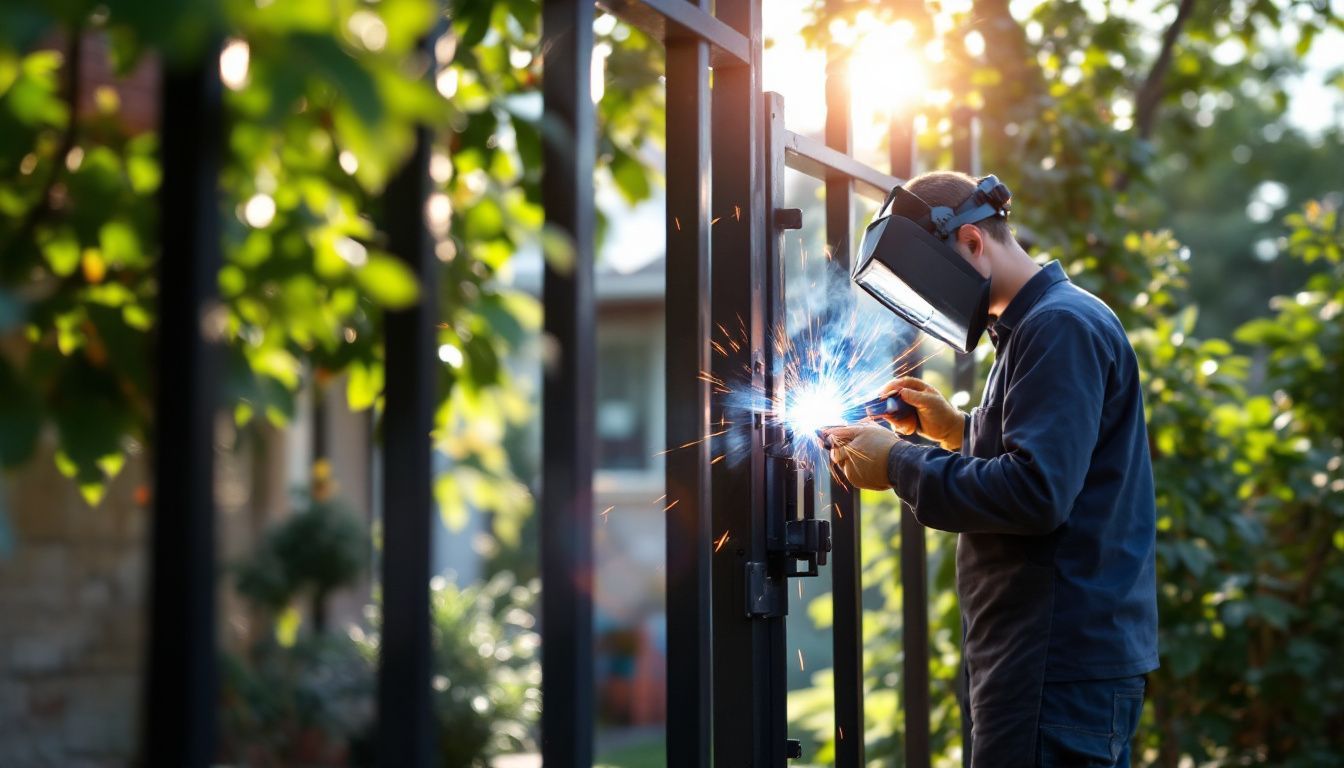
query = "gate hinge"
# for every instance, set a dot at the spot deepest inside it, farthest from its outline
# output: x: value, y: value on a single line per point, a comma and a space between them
x: 767, y: 596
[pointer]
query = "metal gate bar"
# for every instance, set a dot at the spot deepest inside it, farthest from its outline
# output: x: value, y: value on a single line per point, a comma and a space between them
x: 817, y: 160
x: 846, y: 562
x: 569, y: 389
x: 688, y: 332
x: 685, y: 20
x: 914, y: 553
x: 965, y: 157
x: 748, y: 711
x: 406, y: 727
x: 178, y: 726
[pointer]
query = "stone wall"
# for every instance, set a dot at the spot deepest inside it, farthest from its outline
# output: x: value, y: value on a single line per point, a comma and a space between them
x: 71, y: 620
x: 73, y: 584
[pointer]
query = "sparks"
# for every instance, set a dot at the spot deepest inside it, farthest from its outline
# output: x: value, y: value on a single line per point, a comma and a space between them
x: 607, y: 511
x: 828, y: 357
x: 800, y: 660
x: 718, y: 543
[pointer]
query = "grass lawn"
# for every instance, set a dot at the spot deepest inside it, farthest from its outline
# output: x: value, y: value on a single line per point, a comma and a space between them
x: 650, y: 754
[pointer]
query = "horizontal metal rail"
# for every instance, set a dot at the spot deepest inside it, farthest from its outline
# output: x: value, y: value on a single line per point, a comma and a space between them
x: 814, y: 158
x: 679, y: 20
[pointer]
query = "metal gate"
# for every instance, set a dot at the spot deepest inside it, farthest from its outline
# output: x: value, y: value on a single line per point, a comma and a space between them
x: 737, y: 529
x: 728, y: 147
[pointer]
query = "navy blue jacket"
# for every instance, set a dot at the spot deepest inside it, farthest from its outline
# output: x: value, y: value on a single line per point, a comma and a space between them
x: 1052, y: 494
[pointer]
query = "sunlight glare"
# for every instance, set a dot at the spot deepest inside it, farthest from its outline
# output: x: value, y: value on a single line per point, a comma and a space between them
x: 233, y: 64
x: 885, y: 68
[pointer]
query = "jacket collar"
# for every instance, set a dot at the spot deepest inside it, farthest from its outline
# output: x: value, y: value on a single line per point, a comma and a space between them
x: 1025, y: 299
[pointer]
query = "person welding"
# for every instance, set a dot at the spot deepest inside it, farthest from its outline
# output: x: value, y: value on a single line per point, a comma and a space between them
x: 1048, y: 481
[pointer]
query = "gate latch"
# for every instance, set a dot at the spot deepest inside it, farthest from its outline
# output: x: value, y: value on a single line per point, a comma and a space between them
x: 807, y: 543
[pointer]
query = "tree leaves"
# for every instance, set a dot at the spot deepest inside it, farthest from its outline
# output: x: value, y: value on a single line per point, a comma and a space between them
x: 388, y: 281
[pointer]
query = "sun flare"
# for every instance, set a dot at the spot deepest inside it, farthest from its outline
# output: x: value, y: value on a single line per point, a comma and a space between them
x: 886, y: 71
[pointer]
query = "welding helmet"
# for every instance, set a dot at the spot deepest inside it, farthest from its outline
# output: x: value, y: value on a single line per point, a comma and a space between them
x: 908, y: 262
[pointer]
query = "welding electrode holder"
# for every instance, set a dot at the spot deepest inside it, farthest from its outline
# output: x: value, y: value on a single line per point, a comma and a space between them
x: 891, y: 405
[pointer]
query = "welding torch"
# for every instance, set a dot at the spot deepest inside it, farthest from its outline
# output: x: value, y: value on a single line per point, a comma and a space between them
x: 889, y: 405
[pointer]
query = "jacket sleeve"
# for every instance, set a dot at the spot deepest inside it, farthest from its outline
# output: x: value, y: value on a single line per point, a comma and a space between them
x: 1051, y: 418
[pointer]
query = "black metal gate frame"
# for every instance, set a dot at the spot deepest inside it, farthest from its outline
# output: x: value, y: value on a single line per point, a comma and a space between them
x: 728, y: 149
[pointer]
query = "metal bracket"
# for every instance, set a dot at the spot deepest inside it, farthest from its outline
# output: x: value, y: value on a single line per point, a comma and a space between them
x: 793, y: 749
x: 767, y: 596
x: 789, y: 218
x: 807, y: 541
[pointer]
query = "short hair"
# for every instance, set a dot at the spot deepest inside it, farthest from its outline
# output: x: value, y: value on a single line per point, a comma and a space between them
x: 952, y: 188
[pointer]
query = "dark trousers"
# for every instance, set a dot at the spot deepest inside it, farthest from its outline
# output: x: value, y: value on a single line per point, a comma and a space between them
x: 1082, y: 724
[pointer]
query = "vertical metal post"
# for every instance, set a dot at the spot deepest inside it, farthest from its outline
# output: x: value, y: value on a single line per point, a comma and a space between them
x: 743, y: 721
x: 569, y: 389
x: 179, y: 722
x: 914, y: 554
x: 781, y: 478
x: 902, y: 144
x: 689, y: 538
x: 405, y: 722
x: 965, y: 157
x: 846, y: 560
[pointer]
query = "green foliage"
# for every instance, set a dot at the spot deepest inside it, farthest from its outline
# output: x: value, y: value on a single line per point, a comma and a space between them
x: 1251, y: 497
x: 321, y: 105
x: 1081, y: 118
x: 487, y: 672
x: 311, y: 553
x: 305, y: 704
x: 312, y: 701
x: 1211, y: 180
x: 487, y: 675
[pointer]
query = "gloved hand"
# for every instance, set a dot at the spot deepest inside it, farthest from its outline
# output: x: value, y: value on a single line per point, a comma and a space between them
x: 936, y: 418
x: 861, y: 454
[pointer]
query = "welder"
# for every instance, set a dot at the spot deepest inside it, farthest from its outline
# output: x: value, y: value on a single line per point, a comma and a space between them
x: 1048, y: 481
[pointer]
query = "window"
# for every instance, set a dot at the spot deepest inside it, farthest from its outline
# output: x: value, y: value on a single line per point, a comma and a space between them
x: 626, y: 391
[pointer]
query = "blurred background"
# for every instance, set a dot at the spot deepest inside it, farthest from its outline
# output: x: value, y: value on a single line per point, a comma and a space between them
x: 1184, y: 160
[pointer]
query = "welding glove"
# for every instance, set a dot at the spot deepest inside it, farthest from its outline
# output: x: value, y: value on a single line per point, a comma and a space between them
x: 860, y: 452
x: 935, y: 418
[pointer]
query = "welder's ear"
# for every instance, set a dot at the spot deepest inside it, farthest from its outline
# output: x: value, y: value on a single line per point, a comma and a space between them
x: 971, y: 244
x: 972, y: 238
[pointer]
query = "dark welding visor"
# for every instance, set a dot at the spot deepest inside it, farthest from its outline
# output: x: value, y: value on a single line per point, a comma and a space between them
x: 907, y: 264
